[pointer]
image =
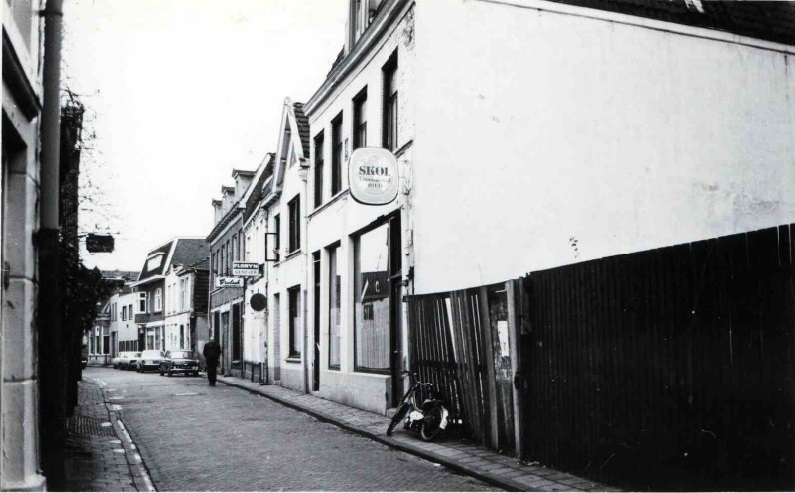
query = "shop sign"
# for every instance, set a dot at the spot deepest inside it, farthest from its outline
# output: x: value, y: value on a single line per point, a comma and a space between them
x: 245, y: 268
x: 373, y: 176
x: 228, y: 282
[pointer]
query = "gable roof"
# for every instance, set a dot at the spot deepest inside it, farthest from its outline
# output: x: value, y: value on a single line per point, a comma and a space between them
x: 190, y: 251
x: 184, y: 251
x: 254, y: 193
x: 768, y: 20
x: 302, y: 122
x: 163, y: 250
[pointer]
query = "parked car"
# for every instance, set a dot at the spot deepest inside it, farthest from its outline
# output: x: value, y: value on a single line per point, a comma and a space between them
x: 117, y: 360
x: 128, y: 362
x: 179, y: 361
x: 149, y: 360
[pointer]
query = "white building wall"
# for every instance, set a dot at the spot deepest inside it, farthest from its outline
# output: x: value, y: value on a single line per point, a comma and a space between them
x: 291, y: 269
x: 546, y: 137
x: 339, y: 218
x: 122, y: 322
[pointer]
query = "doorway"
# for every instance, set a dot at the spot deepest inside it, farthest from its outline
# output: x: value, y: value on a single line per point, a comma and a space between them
x: 316, y: 321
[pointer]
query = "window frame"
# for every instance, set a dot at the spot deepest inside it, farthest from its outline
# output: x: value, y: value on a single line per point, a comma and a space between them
x: 158, y: 301
x: 337, y: 149
x: 294, y: 225
x: 360, y: 119
x: 334, y: 300
x: 390, y: 134
x: 319, y: 143
x: 293, y: 313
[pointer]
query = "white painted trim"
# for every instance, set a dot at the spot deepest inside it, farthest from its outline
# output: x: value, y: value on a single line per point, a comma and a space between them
x: 148, y: 280
x: 225, y: 230
x: 367, y: 47
x: 637, y: 21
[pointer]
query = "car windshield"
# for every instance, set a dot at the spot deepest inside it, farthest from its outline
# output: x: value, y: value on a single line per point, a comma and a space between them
x: 151, y: 353
x: 182, y: 354
x: 136, y: 355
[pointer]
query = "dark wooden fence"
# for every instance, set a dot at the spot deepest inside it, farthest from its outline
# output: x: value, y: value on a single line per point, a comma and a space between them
x: 666, y: 369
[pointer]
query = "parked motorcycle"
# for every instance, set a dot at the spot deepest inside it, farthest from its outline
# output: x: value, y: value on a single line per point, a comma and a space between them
x: 422, y: 409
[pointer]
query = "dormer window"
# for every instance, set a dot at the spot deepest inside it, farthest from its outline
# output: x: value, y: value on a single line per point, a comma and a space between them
x: 363, y: 12
x: 154, y: 261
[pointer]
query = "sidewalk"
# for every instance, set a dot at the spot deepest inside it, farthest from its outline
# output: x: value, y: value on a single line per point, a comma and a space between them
x: 505, y: 472
x: 99, y: 453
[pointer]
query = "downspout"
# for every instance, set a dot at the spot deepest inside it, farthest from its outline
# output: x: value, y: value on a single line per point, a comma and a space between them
x: 305, y: 350
x: 52, y: 398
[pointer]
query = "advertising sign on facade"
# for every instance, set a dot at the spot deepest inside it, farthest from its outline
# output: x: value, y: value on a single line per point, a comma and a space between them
x: 228, y: 282
x: 245, y: 268
x: 373, y: 176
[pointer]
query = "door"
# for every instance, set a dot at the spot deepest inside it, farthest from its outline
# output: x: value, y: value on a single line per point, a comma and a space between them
x: 396, y: 310
x: 316, y: 321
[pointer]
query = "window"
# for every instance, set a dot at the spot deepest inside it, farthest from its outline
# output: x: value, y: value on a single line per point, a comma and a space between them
x: 129, y: 311
x: 334, y: 295
x: 390, y: 126
x: 277, y: 230
x: 360, y: 120
x: 142, y: 305
x: 294, y: 238
x: 124, y: 313
x: 228, y: 267
x: 336, y: 156
x: 183, y: 295
x: 371, y: 302
x: 294, y: 301
x: 319, y: 169
x: 158, y: 300
x: 181, y: 336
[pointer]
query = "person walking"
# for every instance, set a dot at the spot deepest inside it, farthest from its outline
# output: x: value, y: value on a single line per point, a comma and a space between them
x: 212, y: 351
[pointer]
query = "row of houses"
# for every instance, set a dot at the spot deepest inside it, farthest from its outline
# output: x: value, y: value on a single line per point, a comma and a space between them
x: 529, y: 136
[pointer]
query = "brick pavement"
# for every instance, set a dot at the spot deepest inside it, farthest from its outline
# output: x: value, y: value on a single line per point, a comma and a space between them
x: 505, y: 472
x: 99, y: 453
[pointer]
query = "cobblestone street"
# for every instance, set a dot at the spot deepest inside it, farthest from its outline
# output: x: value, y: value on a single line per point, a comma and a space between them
x: 195, y: 437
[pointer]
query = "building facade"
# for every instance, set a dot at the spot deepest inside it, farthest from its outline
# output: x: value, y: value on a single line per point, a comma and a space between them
x: 356, y: 254
x: 123, y: 331
x: 150, y: 288
x: 186, y: 321
x: 20, y: 467
x: 226, y: 244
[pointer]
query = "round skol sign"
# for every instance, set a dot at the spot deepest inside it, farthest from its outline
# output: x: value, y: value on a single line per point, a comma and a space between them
x: 373, y: 176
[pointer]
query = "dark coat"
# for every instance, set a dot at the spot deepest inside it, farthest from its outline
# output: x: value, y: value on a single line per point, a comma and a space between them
x: 212, y: 351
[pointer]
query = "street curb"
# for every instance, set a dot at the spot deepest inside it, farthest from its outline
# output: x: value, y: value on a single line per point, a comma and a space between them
x: 506, y: 484
x: 138, y: 470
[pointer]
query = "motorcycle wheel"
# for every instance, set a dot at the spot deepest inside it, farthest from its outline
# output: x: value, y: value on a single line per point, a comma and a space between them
x: 430, y: 428
x: 397, y: 418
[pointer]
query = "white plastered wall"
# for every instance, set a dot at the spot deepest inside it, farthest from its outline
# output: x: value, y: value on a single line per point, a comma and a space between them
x: 546, y: 138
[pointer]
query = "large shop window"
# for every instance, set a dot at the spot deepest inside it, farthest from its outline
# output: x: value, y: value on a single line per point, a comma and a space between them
x: 371, y: 305
x: 334, y: 295
x: 294, y: 301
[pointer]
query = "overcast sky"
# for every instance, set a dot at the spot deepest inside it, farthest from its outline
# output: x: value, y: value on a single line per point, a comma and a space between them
x: 179, y: 92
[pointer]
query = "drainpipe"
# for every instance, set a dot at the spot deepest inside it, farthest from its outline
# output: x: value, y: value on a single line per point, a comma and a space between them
x: 52, y: 397
x: 304, y: 175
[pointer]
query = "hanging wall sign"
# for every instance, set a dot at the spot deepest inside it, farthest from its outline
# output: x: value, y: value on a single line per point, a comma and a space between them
x: 373, y: 176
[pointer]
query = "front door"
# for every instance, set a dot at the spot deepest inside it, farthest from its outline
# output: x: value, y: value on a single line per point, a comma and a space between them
x: 396, y: 310
x: 316, y: 321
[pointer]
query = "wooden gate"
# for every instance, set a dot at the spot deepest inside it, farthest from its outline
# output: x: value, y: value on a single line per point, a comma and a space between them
x: 457, y: 341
